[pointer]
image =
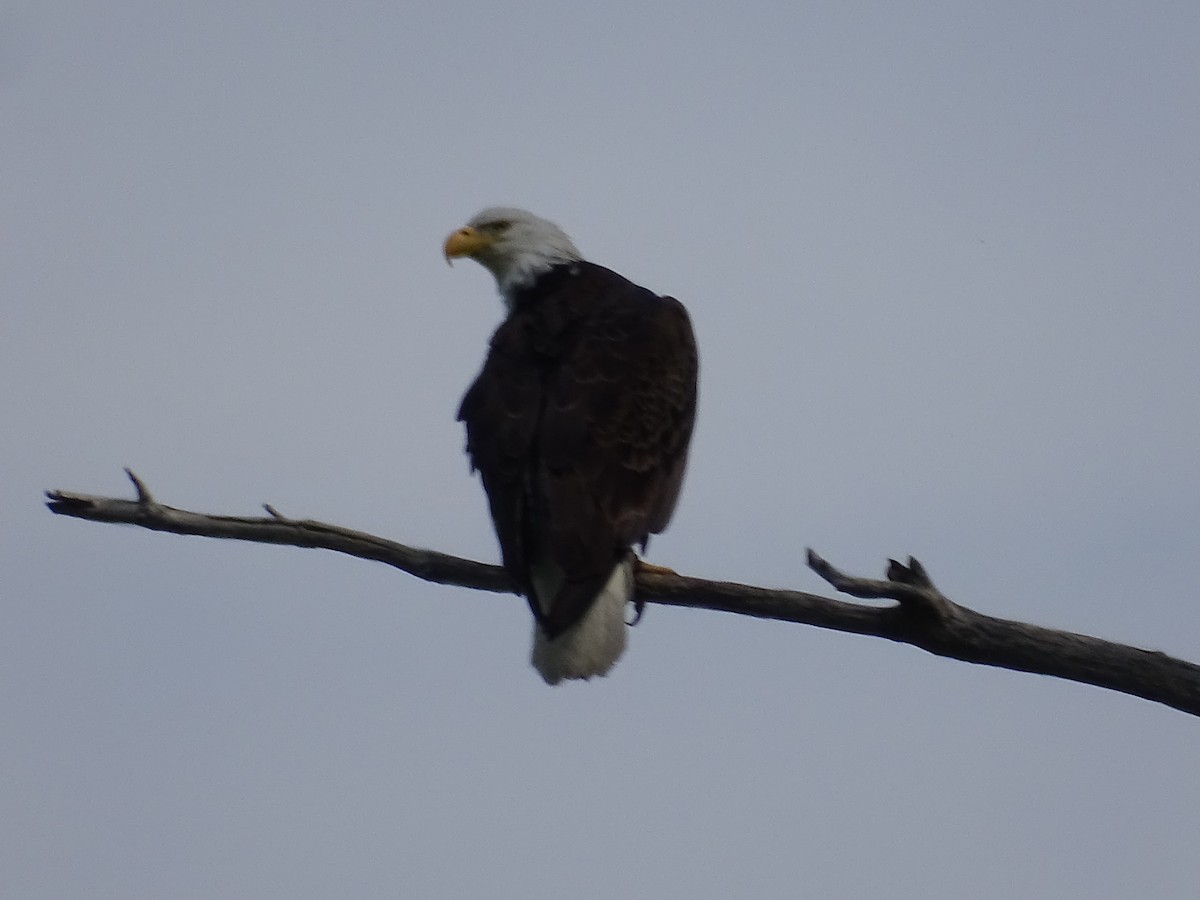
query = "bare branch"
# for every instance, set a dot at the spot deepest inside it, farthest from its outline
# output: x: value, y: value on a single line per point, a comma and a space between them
x: 278, y: 529
x: 922, y: 615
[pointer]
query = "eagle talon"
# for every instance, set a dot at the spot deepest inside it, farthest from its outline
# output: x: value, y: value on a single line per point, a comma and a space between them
x: 639, y: 607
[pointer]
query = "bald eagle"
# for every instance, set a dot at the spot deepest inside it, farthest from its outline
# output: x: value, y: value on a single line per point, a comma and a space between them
x: 578, y: 425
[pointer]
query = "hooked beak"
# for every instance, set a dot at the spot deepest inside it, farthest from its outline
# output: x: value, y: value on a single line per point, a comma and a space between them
x: 467, y: 241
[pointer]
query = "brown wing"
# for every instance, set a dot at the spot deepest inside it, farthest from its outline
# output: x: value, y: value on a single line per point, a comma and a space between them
x: 500, y: 411
x: 579, y: 425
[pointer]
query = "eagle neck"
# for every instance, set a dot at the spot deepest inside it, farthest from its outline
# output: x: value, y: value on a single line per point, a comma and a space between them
x: 545, y: 282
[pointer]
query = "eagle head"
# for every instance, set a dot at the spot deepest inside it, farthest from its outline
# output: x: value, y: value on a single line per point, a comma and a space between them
x: 514, y: 245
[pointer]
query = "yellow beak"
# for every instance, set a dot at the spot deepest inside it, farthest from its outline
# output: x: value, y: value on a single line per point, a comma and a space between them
x: 467, y: 241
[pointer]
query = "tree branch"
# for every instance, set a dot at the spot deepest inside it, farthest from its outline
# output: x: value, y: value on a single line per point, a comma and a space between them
x: 922, y: 615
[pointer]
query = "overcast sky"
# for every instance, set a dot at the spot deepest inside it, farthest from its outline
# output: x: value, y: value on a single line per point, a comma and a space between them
x: 943, y: 261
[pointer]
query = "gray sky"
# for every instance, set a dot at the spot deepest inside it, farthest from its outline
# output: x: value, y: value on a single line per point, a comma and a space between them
x: 944, y: 264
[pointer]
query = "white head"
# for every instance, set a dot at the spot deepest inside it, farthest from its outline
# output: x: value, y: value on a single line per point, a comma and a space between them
x: 514, y: 245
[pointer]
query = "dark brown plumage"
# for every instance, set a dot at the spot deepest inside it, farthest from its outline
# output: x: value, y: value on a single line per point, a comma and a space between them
x: 579, y: 426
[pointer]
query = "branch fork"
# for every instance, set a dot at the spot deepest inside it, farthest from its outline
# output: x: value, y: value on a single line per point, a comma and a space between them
x: 909, y: 585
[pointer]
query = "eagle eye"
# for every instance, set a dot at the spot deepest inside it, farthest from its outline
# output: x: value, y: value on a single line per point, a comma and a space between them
x: 501, y: 226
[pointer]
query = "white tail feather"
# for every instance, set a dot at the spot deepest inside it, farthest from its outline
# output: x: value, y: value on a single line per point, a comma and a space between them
x: 592, y: 645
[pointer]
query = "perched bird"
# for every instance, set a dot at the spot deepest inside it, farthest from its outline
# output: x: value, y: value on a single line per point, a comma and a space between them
x: 578, y: 424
